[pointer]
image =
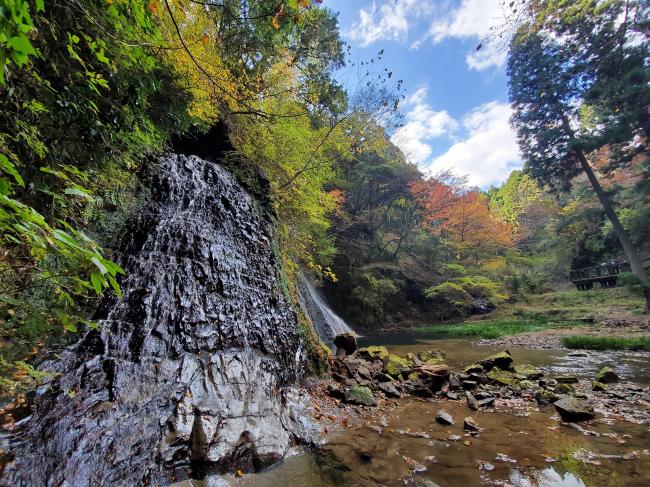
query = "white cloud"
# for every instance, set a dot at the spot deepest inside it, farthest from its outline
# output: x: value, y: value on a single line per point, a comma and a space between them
x: 423, y: 123
x: 391, y: 21
x: 489, y: 152
x: 473, y: 20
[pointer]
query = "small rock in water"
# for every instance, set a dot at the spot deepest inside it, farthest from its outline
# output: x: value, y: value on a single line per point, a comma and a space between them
x: 563, y: 388
x: 454, y: 437
x: 501, y: 457
x: 485, y: 403
x: 469, y: 424
x: 472, y: 403
x: 578, y: 354
x: 443, y: 417
x: 486, y: 466
x: 572, y: 409
x: 566, y: 379
x: 452, y: 395
x: 606, y: 376
x: 503, y: 360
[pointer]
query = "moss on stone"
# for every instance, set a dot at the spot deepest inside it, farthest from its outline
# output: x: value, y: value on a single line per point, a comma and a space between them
x: 528, y: 371
x: 373, y: 352
x: 606, y: 376
x: 502, y: 376
x: 360, y: 395
x: 395, y: 365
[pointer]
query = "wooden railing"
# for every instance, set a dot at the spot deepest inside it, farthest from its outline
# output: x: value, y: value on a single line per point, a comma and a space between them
x: 605, y: 274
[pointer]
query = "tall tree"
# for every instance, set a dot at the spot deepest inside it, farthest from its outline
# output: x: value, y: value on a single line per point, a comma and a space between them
x: 577, y: 77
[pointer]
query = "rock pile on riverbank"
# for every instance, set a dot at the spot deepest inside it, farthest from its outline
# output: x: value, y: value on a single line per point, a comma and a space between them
x: 363, y: 375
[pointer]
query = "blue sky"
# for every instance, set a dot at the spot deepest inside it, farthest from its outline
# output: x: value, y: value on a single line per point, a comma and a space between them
x: 456, y: 110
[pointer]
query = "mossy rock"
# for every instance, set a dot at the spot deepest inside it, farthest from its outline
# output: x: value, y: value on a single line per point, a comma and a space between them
x: 544, y: 397
x: 502, y: 360
x: 563, y: 388
x: 566, y: 379
x: 435, y: 356
x: 474, y: 369
x: 413, y: 376
x: 598, y: 386
x: 373, y: 352
x: 502, y: 376
x: 360, y: 395
x: 395, y: 365
x: 528, y: 371
x: 527, y: 385
x: 607, y: 376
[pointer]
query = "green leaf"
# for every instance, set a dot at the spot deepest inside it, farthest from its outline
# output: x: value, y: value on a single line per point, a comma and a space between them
x: 70, y: 327
x: 99, y: 265
x: 22, y: 44
x: 40, y: 5
x: 96, y: 281
x: 78, y: 192
x: 115, y: 285
x: 9, y: 299
x: 7, y: 166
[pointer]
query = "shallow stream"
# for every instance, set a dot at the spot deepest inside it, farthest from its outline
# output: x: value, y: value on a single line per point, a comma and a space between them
x: 519, y: 446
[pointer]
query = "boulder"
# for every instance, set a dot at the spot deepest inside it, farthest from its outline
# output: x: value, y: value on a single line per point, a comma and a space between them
x: 598, y: 386
x: 566, y: 379
x: 572, y: 409
x: 487, y: 402
x: 500, y: 376
x: 469, y: 424
x: 389, y: 389
x: 395, y: 365
x: 469, y: 385
x: 443, y: 417
x: 346, y: 343
x: 527, y: 385
x: 503, y: 360
x: 544, y: 397
x: 360, y: 395
x: 432, y: 357
x: 474, y: 369
x: 373, y: 352
x: 439, y: 370
x: 563, y: 389
x: 472, y: 403
x: 528, y: 371
x: 607, y: 376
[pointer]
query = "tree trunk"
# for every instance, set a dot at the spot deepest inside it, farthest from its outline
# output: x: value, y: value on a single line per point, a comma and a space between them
x: 632, y: 255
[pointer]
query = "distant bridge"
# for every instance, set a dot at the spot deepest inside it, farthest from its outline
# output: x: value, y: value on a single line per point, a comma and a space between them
x: 605, y: 274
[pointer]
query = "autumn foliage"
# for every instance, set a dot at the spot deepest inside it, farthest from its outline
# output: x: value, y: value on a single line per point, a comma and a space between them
x: 460, y: 216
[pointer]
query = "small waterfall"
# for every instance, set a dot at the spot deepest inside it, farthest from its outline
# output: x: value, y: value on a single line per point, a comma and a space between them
x: 324, y: 320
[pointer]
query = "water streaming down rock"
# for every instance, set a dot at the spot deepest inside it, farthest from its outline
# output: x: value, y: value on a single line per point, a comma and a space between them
x: 324, y: 320
x: 194, y: 370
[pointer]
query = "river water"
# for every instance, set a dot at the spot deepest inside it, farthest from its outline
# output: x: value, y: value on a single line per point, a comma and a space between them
x: 520, y: 446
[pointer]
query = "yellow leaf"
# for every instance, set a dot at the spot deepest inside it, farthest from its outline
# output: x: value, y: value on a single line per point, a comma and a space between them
x: 275, y: 22
x: 153, y: 7
x: 240, y: 473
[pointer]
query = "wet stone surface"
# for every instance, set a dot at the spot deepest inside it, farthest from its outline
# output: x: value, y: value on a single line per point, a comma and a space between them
x: 195, y: 370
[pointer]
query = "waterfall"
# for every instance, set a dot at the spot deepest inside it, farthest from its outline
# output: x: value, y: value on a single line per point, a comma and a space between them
x: 324, y: 320
x: 196, y: 370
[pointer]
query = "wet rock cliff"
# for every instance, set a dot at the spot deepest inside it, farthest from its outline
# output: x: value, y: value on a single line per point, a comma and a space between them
x: 195, y: 370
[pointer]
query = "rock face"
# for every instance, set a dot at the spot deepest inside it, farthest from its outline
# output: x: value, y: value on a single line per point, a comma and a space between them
x: 195, y: 368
